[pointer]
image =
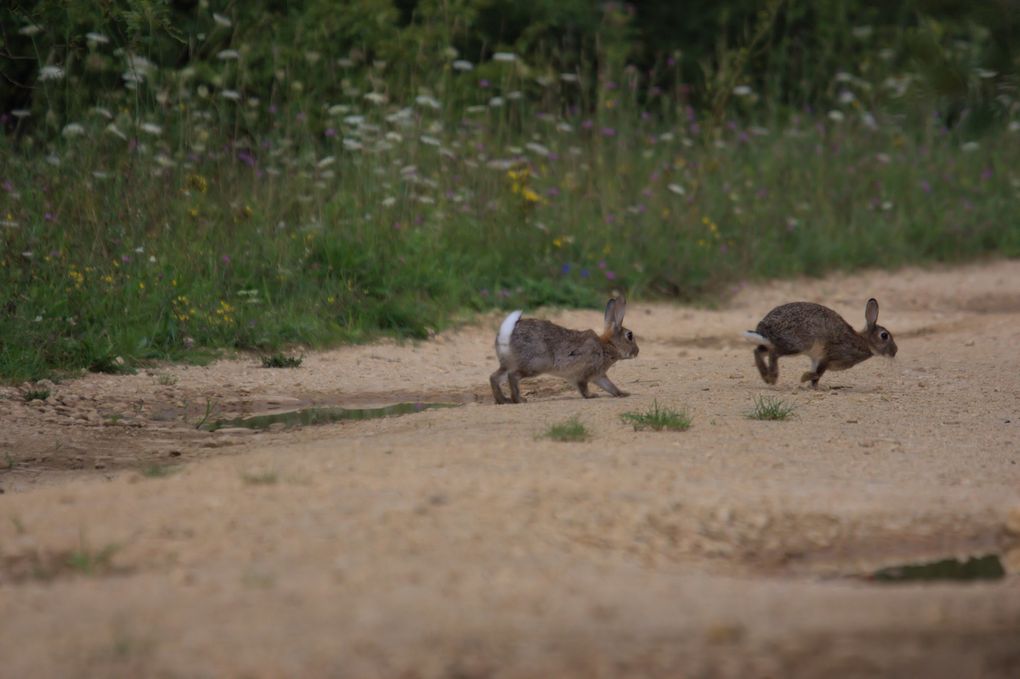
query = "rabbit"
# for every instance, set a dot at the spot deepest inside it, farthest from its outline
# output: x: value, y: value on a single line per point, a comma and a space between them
x: 529, y: 347
x: 822, y: 334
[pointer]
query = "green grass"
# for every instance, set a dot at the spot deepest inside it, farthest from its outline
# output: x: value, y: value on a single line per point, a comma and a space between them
x: 160, y: 471
x: 36, y: 394
x: 182, y: 221
x: 279, y: 360
x: 88, y: 561
x: 570, y: 430
x: 260, y: 478
x: 658, y: 419
x: 771, y: 408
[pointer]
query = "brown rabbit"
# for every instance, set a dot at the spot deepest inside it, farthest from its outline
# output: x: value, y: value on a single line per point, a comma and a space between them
x: 822, y: 334
x: 530, y: 347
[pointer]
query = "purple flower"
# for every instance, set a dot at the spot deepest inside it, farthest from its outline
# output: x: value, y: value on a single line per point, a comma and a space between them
x: 565, y: 269
x: 671, y: 61
x: 245, y: 156
x: 602, y: 264
x: 986, y: 174
x: 610, y: 276
x: 552, y: 192
x: 608, y: 132
x: 483, y: 83
x: 49, y: 216
x: 272, y: 109
x: 587, y: 124
x: 611, y: 85
x: 330, y: 132
x: 225, y: 259
x: 925, y: 186
x: 8, y: 186
x: 125, y: 259
x: 585, y: 273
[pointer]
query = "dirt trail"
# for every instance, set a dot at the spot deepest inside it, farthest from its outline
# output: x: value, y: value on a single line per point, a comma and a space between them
x: 458, y: 543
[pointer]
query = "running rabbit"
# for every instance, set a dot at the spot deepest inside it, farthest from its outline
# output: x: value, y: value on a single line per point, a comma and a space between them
x: 530, y: 347
x: 822, y: 334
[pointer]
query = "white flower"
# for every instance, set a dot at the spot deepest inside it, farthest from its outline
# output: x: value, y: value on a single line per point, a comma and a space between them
x: 337, y: 109
x: 476, y: 109
x: 426, y: 100
x: 152, y: 259
x: 225, y: 55
x: 869, y: 121
x: 496, y: 102
x: 51, y: 73
x: 394, y: 137
x: 351, y: 144
x: 515, y: 95
x: 862, y: 32
x: 505, y: 57
x: 886, y: 206
x: 222, y: 20
x: 354, y: 120
x: 164, y: 160
x: 30, y: 30
x: 115, y: 131
x: 426, y: 200
x: 742, y: 91
x: 568, y: 77
x: 99, y: 174
x: 971, y: 146
x: 389, y: 201
x: 21, y: 113
x: 1014, y: 126
x: 537, y: 148
x: 73, y: 130
x: 836, y: 116
x: 375, y: 98
x: 883, y: 158
x: 344, y: 62
x: 232, y: 95
x: 985, y: 73
x: 462, y: 65
x: 846, y: 96
x: 326, y: 162
x: 564, y: 127
x: 104, y: 112
x: 426, y: 139
x: 677, y: 189
x: 152, y: 128
x: 53, y: 159
x: 96, y: 38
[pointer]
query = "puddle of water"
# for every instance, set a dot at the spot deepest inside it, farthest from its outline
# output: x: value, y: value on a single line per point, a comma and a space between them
x: 325, y: 415
x: 987, y: 567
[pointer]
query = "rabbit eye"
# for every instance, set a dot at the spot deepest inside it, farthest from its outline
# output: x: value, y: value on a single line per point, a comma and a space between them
x: 630, y: 336
x: 884, y: 335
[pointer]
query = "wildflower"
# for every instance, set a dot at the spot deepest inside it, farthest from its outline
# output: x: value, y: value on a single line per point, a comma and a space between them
x: 742, y: 91
x: 73, y: 130
x: 29, y: 30
x: 94, y: 38
x: 608, y: 132
x: 925, y: 186
x: 51, y: 73
x: 505, y: 57
x: 529, y: 195
x: 836, y: 116
x: 426, y: 100
x: 677, y: 189
x: 430, y: 141
x: 21, y: 113
x: 326, y: 162
x: 970, y: 146
x: 483, y: 83
x: 375, y: 98
x: 537, y: 148
x: 565, y: 269
x: 462, y: 65
x: 222, y: 20
x: 610, y: 276
x: 151, y: 128
x: 496, y: 102
x: 232, y: 95
x: 568, y: 77
x: 228, y: 55
x: 351, y: 144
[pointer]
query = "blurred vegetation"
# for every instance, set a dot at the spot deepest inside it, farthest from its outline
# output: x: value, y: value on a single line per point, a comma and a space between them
x: 187, y: 174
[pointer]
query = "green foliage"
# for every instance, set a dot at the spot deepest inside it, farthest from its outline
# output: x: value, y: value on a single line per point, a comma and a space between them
x: 36, y: 394
x: 770, y: 408
x: 571, y: 430
x: 258, y: 175
x: 279, y: 360
x: 658, y: 419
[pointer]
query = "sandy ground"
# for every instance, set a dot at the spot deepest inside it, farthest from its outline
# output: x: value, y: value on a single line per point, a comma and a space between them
x: 459, y: 543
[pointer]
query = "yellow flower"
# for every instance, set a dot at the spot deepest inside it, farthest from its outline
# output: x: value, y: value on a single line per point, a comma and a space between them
x: 141, y: 285
x: 531, y: 196
x: 198, y: 182
x: 558, y: 242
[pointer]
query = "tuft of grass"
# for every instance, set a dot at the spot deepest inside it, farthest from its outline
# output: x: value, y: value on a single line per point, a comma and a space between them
x: 280, y: 360
x: 260, y: 478
x: 659, y: 419
x: 770, y: 408
x: 159, y: 471
x: 91, y: 562
x: 37, y: 394
x: 166, y: 379
x: 570, y: 430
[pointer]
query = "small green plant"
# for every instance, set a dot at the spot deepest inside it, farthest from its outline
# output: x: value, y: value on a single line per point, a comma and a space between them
x: 166, y: 379
x: 260, y: 478
x: 110, y: 365
x: 770, y: 408
x: 658, y: 418
x: 37, y: 394
x: 279, y: 360
x: 90, y: 562
x: 570, y: 430
x: 159, y: 471
x: 209, y: 407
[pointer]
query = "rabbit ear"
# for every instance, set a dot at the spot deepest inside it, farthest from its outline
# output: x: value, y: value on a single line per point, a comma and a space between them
x: 615, y: 308
x: 871, y: 312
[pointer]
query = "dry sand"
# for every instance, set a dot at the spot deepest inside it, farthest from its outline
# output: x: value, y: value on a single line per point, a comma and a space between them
x: 458, y: 543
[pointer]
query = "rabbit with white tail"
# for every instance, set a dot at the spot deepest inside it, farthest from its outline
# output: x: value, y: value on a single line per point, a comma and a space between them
x: 529, y: 347
x: 822, y: 334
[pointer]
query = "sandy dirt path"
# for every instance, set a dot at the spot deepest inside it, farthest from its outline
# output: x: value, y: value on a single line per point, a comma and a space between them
x: 459, y: 543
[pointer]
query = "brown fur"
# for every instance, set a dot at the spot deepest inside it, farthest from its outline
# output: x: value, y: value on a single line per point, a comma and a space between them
x: 540, y: 347
x: 822, y: 334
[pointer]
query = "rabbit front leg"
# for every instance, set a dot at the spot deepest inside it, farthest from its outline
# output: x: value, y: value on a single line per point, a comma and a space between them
x: 608, y: 386
x: 815, y: 373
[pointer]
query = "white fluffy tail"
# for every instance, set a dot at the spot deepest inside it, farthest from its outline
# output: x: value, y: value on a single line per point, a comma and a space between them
x: 757, y: 339
x: 505, y: 330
